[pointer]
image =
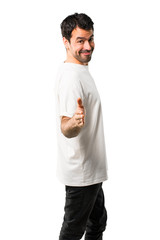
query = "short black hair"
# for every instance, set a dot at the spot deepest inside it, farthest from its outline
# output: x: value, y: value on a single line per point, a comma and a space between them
x: 72, y: 21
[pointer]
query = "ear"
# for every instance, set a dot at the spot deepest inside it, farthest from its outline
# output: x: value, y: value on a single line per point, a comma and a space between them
x: 66, y: 43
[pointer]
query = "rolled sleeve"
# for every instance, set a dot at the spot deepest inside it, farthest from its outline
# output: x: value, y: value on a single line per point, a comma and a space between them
x: 69, y: 91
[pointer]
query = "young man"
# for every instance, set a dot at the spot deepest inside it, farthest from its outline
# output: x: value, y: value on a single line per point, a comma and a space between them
x: 82, y: 165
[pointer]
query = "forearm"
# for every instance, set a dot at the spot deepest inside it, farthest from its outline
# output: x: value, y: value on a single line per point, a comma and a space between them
x: 69, y: 128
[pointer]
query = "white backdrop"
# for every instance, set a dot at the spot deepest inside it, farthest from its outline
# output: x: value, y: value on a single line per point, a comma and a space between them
x: 126, y: 69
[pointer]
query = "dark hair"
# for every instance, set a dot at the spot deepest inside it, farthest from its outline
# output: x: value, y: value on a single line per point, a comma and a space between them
x: 72, y: 21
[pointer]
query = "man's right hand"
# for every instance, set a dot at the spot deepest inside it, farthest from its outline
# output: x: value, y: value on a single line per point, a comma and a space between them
x: 71, y: 127
x: 79, y: 114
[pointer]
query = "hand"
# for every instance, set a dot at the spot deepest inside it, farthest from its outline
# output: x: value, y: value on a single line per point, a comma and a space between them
x: 71, y: 127
x: 79, y: 114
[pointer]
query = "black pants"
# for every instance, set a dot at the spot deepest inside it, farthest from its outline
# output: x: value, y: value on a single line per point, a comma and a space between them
x: 84, y: 213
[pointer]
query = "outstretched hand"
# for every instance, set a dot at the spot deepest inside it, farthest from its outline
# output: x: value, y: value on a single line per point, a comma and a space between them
x: 71, y: 127
x: 79, y: 114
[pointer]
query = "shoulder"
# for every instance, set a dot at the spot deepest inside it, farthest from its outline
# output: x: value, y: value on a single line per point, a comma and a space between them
x: 69, y: 77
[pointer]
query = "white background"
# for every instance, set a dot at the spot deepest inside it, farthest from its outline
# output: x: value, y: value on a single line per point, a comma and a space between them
x: 126, y: 69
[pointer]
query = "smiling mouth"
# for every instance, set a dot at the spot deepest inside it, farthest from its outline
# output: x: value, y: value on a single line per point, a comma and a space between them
x: 86, y: 53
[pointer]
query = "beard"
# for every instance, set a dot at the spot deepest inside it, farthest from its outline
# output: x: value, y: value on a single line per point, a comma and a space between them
x: 81, y: 57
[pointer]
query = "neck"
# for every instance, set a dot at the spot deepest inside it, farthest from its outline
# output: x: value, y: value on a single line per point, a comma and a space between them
x: 71, y: 59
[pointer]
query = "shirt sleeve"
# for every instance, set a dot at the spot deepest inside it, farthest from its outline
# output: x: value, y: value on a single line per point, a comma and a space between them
x: 70, y: 90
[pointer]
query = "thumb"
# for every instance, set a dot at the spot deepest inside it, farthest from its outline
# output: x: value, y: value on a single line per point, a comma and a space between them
x: 79, y: 101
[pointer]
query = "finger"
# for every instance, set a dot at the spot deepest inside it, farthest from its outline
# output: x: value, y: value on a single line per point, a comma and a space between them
x: 78, y: 116
x: 79, y: 101
x: 79, y: 112
x: 80, y: 122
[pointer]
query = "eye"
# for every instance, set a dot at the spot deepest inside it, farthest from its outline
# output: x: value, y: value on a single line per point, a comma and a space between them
x: 91, y: 39
x: 81, y: 41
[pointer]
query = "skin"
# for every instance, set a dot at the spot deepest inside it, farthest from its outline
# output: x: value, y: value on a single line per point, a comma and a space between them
x: 71, y: 127
x: 79, y: 50
x: 80, y: 47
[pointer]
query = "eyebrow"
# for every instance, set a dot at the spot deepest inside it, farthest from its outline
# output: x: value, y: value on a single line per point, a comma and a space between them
x: 84, y: 37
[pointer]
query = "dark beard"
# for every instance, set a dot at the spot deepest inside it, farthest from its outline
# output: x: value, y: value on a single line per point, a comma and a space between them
x: 86, y: 59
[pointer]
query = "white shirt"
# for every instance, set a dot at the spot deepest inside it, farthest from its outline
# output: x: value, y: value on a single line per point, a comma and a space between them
x: 81, y: 159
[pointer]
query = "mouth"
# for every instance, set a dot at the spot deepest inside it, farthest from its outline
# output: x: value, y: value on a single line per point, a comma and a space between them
x: 86, y: 53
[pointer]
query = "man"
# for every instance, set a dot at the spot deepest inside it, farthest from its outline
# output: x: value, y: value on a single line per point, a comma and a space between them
x: 82, y: 165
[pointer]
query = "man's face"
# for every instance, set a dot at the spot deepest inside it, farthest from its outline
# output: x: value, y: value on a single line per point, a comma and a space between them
x: 81, y: 46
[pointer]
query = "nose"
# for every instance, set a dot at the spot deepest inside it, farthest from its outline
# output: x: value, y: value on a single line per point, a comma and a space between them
x: 87, y: 45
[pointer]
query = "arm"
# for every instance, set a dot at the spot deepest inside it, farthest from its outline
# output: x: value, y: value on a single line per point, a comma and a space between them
x: 71, y: 127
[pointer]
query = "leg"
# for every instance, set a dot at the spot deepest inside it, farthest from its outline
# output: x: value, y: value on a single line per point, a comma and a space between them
x: 78, y: 207
x: 97, y: 220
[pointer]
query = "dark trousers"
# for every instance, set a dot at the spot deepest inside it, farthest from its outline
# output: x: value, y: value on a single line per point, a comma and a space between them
x: 84, y: 213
